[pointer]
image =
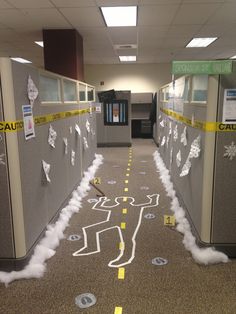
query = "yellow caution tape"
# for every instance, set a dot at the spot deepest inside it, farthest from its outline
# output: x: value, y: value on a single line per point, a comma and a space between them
x: 204, y: 126
x: 14, y: 126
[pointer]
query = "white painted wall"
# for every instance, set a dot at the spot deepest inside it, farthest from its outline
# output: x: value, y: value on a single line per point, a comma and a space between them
x: 133, y: 77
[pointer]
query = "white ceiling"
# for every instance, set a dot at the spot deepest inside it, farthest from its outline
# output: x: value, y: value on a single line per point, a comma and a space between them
x: 164, y: 28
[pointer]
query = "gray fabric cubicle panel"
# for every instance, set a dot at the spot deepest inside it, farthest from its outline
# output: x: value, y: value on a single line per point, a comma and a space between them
x: 224, y: 213
x: 42, y: 200
x: 6, y: 232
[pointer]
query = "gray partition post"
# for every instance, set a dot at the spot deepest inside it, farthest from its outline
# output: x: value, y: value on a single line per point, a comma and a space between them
x: 30, y: 201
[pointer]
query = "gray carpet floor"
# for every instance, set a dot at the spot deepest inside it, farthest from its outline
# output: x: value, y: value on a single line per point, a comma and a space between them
x: 180, y: 287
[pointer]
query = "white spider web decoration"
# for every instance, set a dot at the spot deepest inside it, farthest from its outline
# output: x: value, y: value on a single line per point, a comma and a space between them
x: 230, y: 151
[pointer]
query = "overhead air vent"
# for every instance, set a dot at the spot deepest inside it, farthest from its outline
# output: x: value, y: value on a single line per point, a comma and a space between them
x: 127, y: 46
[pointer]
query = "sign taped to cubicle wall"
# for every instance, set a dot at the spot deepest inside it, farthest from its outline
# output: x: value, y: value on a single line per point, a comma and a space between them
x: 229, y: 106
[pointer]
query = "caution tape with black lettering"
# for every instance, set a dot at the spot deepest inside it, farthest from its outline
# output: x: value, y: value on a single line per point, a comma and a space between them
x: 204, y: 126
x: 14, y: 126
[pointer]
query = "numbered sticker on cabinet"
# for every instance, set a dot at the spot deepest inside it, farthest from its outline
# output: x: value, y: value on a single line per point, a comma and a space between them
x: 169, y: 220
x: 97, y: 180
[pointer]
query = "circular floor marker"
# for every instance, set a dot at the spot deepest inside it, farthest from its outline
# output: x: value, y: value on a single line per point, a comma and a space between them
x: 159, y: 261
x: 149, y: 216
x: 111, y: 182
x: 74, y: 237
x: 85, y: 300
x: 144, y: 188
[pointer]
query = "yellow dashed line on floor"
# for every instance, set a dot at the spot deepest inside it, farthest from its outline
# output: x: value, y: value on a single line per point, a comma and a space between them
x: 129, y: 164
x: 118, y: 310
x: 121, y: 273
x: 128, y: 169
x: 121, y: 246
x: 126, y: 181
x: 124, y: 199
x: 123, y: 225
x: 124, y: 211
x: 126, y: 189
x: 127, y: 174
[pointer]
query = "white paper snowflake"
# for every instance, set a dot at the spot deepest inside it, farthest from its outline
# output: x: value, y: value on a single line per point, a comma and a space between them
x: 176, y: 134
x: 184, y: 136
x: 162, y: 123
x: 178, y: 159
x: 52, y: 136
x: 2, y: 162
x: 230, y: 151
x: 163, y: 141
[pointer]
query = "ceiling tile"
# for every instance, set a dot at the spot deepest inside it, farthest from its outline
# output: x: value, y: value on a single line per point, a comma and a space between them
x: 225, y: 13
x: 146, y: 34
x: 83, y: 17
x: 14, y: 19
x: 183, y: 31
x: 215, y: 30
x: 156, y: 14
x: 19, y: 4
x: 123, y: 35
x: 195, y: 13
x: 175, y: 42
x: 126, y: 52
x: 73, y: 3
x: 147, y: 2
x: 5, y: 5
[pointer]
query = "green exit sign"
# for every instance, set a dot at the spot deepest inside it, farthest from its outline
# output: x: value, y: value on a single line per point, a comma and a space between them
x: 202, y: 67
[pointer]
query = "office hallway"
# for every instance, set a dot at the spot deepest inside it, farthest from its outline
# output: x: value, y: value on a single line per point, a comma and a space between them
x: 119, y: 236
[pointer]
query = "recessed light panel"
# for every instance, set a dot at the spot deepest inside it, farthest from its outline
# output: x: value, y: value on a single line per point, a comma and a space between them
x: 200, y: 42
x: 120, y: 16
x: 127, y: 58
x: 21, y: 60
x: 233, y: 57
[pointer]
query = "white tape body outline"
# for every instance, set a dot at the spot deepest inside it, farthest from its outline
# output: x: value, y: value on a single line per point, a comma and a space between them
x: 102, y: 201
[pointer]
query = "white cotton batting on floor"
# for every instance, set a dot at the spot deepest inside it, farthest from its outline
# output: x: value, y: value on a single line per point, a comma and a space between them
x: 54, y: 233
x: 203, y: 256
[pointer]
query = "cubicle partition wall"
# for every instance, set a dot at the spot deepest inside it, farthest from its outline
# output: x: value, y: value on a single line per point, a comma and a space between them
x: 196, y: 125
x: 44, y: 124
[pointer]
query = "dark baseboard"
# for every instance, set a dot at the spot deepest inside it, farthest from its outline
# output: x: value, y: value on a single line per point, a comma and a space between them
x: 114, y: 144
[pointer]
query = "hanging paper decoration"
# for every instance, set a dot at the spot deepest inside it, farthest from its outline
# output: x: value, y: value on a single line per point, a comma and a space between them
x: 72, y: 157
x: 159, y: 117
x: 230, y: 151
x: 77, y: 129
x: 52, y: 136
x: 171, y: 155
x: 178, y: 159
x: 184, y: 136
x: 192, y: 120
x: 87, y: 126
x: 93, y: 132
x: 194, y: 153
x: 170, y: 128
x: 46, y: 169
x: 167, y: 140
x: 176, y: 135
x: 66, y: 145
x: 85, y: 143
x: 163, y: 141
x: 32, y: 91
x: 2, y: 162
x: 162, y: 123
x: 70, y: 129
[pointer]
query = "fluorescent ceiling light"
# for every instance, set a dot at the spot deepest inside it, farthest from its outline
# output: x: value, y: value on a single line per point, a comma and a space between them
x: 21, y: 60
x: 127, y: 58
x: 233, y: 57
x: 200, y: 42
x: 120, y: 16
x: 40, y: 43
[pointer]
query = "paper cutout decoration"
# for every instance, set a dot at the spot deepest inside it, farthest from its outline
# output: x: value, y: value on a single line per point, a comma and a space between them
x: 192, y: 120
x: 178, y: 159
x: 93, y: 132
x: 70, y: 129
x: 162, y: 123
x: 32, y: 91
x: 194, y: 153
x: 170, y: 128
x: 167, y: 140
x: 163, y: 141
x: 72, y: 157
x: 87, y: 126
x: 46, y: 169
x: 85, y: 143
x: 77, y: 129
x: 230, y: 151
x: 66, y: 145
x: 85, y: 300
x: 2, y: 162
x: 159, y: 117
x: 171, y: 155
x: 52, y: 136
x: 176, y: 135
x: 184, y: 136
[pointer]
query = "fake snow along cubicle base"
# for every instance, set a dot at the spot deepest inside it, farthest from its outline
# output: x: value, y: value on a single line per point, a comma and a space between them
x: 48, y: 140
